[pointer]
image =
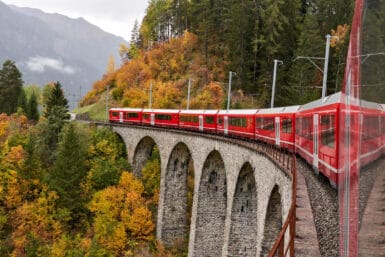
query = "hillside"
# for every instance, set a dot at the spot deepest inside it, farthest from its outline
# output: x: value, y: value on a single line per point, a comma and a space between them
x: 52, y: 47
x: 168, y: 66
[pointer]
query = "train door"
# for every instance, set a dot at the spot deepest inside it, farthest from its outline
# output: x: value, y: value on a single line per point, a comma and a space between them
x: 277, y: 131
x: 315, y: 140
x: 226, y: 125
x: 200, y: 122
x: 121, y: 117
x: 152, y: 119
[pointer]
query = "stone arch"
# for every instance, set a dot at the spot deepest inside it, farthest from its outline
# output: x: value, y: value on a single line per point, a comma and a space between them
x: 273, y: 221
x: 177, y: 210
x: 243, y: 230
x: 211, y: 211
x: 121, y: 140
x: 142, y: 153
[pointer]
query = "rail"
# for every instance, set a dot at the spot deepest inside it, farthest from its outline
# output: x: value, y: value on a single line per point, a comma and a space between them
x: 283, y: 158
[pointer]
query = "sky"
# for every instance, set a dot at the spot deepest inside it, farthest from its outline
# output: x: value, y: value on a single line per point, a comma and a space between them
x: 114, y: 16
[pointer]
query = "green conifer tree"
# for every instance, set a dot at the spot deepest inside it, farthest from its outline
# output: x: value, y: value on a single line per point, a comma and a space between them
x: 22, y: 101
x: 56, y: 114
x: 11, y: 84
x: 32, y: 108
x: 69, y: 171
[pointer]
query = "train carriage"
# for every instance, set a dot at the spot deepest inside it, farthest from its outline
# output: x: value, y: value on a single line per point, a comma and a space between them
x: 161, y: 118
x: 276, y: 126
x: 210, y: 120
x: 202, y: 120
x: 126, y: 115
x: 239, y: 123
x: 316, y: 134
x: 191, y: 119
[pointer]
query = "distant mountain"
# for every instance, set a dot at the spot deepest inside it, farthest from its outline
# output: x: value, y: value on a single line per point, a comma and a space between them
x: 52, y: 47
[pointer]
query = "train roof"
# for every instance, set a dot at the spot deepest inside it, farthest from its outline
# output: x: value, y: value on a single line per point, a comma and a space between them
x: 371, y: 105
x: 286, y: 109
x: 338, y: 98
x: 240, y: 111
x: 126, y: 109
x: 330, y: 99
x: 198, y: 111
x: 161, y: 110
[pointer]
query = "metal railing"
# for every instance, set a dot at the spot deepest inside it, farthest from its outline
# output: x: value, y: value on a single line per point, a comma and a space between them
x: 279, y: 248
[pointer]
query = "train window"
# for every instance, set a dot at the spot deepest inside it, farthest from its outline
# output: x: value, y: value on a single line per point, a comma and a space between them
x: 163, y: 117
x: 209, y: 119
x: 146, y: 116
x: 328, y: 138
x: 287, y: 126
x: 115, y: 114
x: 327, y: 128
x: 265, y: 123
x: 220, y: 121
x: 371, y: 127
x: 238, y: 122
x: 306, y: 130
x: 132, y: 115
x: 189, y: 118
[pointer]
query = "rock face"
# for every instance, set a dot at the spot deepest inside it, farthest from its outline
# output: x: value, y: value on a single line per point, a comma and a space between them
x: 52, y: 47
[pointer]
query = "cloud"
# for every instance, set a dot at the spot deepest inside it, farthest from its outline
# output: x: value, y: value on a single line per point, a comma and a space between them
x: 40, y: 64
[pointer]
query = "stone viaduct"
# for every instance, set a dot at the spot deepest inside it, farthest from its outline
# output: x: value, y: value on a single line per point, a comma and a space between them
x: 240, y: 197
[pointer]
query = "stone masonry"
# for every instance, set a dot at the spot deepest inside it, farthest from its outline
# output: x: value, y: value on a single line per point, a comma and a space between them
x: 211, y: 211
x: 233, y: 187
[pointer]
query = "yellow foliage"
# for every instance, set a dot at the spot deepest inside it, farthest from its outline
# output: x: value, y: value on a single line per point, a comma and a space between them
x: 140, y: 224
x: 339, y: 36
x: 120, y: 212
x: 111, y: 64
x: 130, y: 184
x: 13, y: 197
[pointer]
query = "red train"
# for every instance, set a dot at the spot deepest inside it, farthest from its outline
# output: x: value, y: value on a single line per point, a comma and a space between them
x: 312, y: 130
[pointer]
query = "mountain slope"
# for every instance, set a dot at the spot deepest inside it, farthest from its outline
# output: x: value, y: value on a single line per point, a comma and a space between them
x: 49, y: 47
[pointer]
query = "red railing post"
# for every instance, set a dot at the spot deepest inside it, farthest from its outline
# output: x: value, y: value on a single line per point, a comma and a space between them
x: 279, y: 248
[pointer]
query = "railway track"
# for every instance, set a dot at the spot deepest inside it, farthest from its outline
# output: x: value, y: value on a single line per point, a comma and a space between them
x: 371, y: 237
x: 325, y: 209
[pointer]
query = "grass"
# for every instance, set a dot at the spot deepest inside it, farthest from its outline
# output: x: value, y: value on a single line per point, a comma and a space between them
x: 96, y: 111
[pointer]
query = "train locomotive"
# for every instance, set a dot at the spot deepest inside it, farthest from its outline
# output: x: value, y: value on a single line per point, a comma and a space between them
x: 311, y: 130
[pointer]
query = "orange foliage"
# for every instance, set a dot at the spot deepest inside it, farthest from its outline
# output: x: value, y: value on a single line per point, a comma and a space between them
x: 14, y: 158
x: 4, y: 128
x: 35, y: 219
x: 168, y: 66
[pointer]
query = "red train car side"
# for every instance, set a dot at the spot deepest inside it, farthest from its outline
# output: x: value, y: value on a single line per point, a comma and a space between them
x: 276, y: 126
x: 126, y: 115
x: 239, y: 123
x: 316, y: 135
x: 161, y: 118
